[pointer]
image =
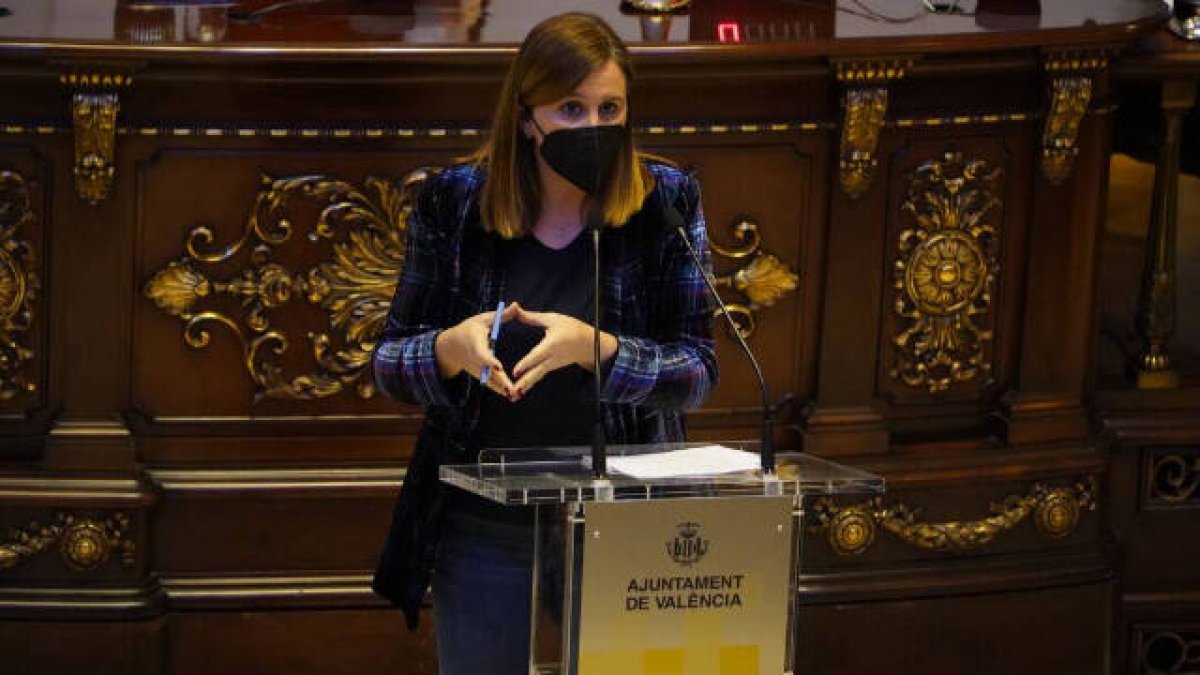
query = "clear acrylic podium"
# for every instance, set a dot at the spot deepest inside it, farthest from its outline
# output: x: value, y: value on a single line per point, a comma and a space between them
x: 687, y: 574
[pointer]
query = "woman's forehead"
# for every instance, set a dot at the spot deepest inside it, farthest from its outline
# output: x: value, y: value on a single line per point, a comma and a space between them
x: 606, y: 81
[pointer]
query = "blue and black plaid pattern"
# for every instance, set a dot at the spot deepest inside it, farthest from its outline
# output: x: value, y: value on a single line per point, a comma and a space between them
x: 653, y: 297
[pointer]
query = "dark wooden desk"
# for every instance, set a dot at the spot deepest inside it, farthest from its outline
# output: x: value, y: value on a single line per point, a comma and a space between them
x: 200, y: 218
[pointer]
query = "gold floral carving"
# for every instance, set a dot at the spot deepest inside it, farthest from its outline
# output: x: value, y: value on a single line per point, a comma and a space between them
x: 944, y: 274
x: 1070, y: 95
x: 850, y: 530
x: 865, y: 101
x: 94, y: 107
x: 85, y: 543
x: 19, y: 285
x: 1056, y: 512
x: 1058, y: 509
x: 762, y: 278
x: 353, y: 286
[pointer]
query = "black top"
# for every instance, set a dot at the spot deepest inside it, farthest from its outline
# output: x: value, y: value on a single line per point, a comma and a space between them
x: 558, y: 410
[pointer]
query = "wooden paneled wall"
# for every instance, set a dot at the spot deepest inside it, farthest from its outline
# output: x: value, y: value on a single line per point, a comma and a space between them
x: 197, y: 474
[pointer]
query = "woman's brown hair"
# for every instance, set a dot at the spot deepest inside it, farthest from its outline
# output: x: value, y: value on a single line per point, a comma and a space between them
x: 556, y: 56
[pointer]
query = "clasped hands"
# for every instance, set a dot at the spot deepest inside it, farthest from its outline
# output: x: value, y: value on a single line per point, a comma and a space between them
x: 567, y: 341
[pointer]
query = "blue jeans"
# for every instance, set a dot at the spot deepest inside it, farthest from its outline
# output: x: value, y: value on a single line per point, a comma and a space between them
x: 482, y: 582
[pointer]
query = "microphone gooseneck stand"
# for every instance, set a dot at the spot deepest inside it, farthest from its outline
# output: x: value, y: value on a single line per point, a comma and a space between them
x: 767, y: 431
x: 599, y: 449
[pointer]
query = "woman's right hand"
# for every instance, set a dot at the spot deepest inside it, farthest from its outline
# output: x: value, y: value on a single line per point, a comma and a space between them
x: 465, y: 347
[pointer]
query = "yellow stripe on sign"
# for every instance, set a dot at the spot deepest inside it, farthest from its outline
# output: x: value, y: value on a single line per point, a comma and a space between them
x: 663, y: 661
x: 739, y: 660
x: 602, y: 663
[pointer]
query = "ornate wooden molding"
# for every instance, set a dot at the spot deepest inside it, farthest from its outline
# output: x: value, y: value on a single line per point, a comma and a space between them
x: 865, y: 101
x: 963, y: 120
x: 1071, y: 80
x: 324, y: 478
x: 1172, y: 478
x: 761, y: 277
x: 95, y: 102
x: 1167, y: 651
x: 370, y: 130
x: 1056, y: 512
x: 19, y: 285
x: 945, y: 272
x: 236, y: 592
x: 84, y: 542
x: 354, y: 286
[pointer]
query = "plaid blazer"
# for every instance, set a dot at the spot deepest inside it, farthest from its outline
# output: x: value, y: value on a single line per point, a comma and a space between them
x: 653, y: 299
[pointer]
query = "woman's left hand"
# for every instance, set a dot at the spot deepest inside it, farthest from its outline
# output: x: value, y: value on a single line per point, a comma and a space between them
x: 567, y: 341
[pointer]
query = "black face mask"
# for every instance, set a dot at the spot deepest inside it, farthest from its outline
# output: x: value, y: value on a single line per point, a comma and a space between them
x: 585, y: 156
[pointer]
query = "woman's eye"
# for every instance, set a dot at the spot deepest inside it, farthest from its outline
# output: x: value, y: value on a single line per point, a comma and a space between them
x: 610, y: 109
x: 571, y: 109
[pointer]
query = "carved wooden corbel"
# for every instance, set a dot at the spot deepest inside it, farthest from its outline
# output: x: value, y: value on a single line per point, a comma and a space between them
x: 865, y: 101
x: 95, y: 102
x: 1072, y: 76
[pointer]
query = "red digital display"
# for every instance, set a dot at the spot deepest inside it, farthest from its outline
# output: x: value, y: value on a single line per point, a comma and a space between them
x: 729, y: 31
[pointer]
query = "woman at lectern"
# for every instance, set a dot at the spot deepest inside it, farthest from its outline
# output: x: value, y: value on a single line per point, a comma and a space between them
x: 511, y: 224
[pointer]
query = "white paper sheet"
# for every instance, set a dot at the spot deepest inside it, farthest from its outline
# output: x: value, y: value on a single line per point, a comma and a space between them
x: 700, y: 461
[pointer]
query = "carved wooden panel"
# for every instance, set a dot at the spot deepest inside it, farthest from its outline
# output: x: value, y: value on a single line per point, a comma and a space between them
x: 267, y: 300
x: 987, y: 635
x: 218, y: 530
x: 773, y: 184
x: 1159, y: 515
x: 300, y: 643
x: 951, y: 256
x: 23, y: 213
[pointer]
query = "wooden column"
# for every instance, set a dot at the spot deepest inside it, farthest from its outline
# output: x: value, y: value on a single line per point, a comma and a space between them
x: 1156, y: 303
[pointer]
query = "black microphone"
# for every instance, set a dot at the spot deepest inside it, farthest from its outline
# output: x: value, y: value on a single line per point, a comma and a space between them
x: 599, y: 441
x: 767, y: 434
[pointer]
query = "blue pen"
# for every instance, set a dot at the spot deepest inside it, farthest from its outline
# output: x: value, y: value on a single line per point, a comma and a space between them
x: 487, y: 370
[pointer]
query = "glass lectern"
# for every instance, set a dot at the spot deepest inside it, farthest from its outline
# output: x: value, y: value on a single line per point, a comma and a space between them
x: 660, y: 574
